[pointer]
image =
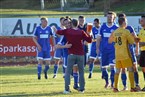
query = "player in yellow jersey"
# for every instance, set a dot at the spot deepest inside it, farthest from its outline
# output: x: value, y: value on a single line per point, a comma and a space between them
x: 142, y: 47
x: 122, y: 38
x: 134, y: 51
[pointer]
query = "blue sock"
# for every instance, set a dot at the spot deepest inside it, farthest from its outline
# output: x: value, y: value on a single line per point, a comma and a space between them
x: 124, y: 78
x: 46, y: 68
x: 112, y: 76
x: 105, y: 75
x: 136, y: 78
x: 39, y: 69
x: 91, y: 67
x: 75, y: 75
x: 55, y: 69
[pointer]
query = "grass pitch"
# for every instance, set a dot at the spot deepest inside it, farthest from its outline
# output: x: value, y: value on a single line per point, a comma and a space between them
x: 21, y: 81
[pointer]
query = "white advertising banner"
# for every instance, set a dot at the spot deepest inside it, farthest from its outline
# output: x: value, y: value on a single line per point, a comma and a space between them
x: 26, y: 26
x: 18, y: 26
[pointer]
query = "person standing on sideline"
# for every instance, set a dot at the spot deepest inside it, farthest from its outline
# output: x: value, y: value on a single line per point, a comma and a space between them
x: 75, y: 37
x: 107, y: 50
x: 41, y: 38
x: 142, y: 47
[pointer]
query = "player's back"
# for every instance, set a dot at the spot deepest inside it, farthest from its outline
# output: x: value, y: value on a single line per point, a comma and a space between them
x: 122, y: 39
x: 75, y: 37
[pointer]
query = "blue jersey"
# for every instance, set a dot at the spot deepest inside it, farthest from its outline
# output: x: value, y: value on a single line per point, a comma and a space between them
x: 130, y: 28
x: 93, y: 53
x: 95, y: 32
x: 131, y: 46
x: 43, y: 37
x: 63, y: 41
x: 57, y: 38
x: 105, y: 32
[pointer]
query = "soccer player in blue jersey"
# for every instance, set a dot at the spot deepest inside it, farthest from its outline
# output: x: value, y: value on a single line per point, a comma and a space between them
x: 41, y: 38
x: 107, y: 50
x: 133, y: 51
x: 93, y: 55
x: 58, y: 52
x: 62, y: 42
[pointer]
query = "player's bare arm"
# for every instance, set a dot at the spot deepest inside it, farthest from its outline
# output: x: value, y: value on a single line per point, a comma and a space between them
x: 98, y: 40
x: 110, y: 40
x: 37, y: 44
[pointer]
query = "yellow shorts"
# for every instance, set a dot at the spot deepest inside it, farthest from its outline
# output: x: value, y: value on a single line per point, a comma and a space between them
x: 124, y: 63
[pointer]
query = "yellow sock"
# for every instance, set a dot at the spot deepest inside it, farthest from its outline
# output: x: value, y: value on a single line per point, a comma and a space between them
x: 131, y: 78
x: 116, y: 81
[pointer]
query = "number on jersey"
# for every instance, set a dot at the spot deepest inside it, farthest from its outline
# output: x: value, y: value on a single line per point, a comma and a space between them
x: 118, y: 40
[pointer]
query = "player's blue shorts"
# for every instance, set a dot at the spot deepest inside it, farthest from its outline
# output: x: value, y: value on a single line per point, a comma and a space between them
x: 65, y: 56
x: 58, y: 54
x: 44, y: 55
x: 65, y: 61
x: 107, y: 58
x: 93, y: 53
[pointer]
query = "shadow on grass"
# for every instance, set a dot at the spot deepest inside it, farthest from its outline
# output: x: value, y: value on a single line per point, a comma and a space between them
x: 23, y: 94
x: 32, y: 69
x: 60, y: 94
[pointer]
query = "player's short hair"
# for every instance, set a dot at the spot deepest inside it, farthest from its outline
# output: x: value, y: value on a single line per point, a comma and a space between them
x: 113, y: 13
x: 44, y: 18
x: 97, y: 20
x: 75, y: 22
x: 67, y: 19
x: 122, y: 15
x: 61, y: 18
x: 143, y: 16
x: 121, y: 20
x: 81, y: 16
